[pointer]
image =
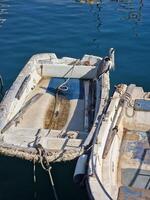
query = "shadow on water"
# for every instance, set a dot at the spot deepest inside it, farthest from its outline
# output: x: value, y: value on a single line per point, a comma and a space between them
x: 17, y: 182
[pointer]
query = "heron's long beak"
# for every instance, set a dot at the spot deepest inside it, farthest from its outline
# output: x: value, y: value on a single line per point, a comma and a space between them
x: 112, y: 57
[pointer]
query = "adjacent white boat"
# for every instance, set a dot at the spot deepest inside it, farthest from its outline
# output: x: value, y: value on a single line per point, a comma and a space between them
x: 53, y: 104
x: 119, y: 164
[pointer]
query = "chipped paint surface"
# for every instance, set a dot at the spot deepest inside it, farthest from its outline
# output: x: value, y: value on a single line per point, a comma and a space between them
x: 128, y: 193
x: 135, y: 159
x: 135, y: 177
x: 137, y: 144
x: 124, y: 173
x: 142, y: 105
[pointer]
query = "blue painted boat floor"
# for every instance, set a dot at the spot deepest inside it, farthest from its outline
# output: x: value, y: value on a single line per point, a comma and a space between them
x: 131, y: 193
x: 135, y: 159
x: 75, y: 87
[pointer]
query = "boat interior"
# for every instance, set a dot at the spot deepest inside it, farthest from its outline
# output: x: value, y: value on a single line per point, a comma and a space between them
x: 134, y: 159
x: 58, y: 110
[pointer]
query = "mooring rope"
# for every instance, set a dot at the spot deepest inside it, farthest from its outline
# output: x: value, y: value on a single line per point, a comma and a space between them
x: 34, y: 175
x: 63, y: 87
x: 34, y: 178
x: 46, y: 166
x: 127, y: 98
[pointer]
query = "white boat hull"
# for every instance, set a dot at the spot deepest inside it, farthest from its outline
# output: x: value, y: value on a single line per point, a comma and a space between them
x: 119, y: 164
x: 35, y: 111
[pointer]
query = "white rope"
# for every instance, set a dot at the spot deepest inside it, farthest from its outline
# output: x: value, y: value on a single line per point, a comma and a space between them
x: 34, y: 178
x: 48, y: 169
x: 34, y: 175
x: 63, y: 87
x: 52, y: 183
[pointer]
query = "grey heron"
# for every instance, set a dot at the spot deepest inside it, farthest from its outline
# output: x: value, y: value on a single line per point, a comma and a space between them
x: 107, y: 63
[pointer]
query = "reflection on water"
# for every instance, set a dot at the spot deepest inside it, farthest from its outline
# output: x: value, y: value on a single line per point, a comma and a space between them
x: 96, y: 12
x: 95, y: 7
x: 131, y: 11
x: 3, y: 11
x: 131, y: 7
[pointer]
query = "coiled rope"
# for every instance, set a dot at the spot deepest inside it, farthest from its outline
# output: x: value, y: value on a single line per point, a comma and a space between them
x: 63, y: 87
x: 127, y: 98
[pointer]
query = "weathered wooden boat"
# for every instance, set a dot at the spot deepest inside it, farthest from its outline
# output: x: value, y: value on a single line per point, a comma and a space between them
x: 52, y: 106
x: 119, y: 164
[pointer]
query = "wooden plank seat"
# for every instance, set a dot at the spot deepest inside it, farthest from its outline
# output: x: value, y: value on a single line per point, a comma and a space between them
x: 49, y: 139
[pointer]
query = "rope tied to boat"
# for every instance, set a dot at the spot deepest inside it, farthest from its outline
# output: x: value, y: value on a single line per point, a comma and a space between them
x: 63, y: 87
x: 127, y: 98
x: 46, y: 166
x: 34, y: 177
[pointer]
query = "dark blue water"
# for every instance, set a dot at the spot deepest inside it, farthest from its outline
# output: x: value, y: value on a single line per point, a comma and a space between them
x: 68, y: 28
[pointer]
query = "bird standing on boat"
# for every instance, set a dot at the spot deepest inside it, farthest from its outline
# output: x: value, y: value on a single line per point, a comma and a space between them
x: 107, y: 63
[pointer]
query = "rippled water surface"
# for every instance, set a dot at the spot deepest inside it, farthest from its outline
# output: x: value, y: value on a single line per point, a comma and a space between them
x: 68, y: 28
